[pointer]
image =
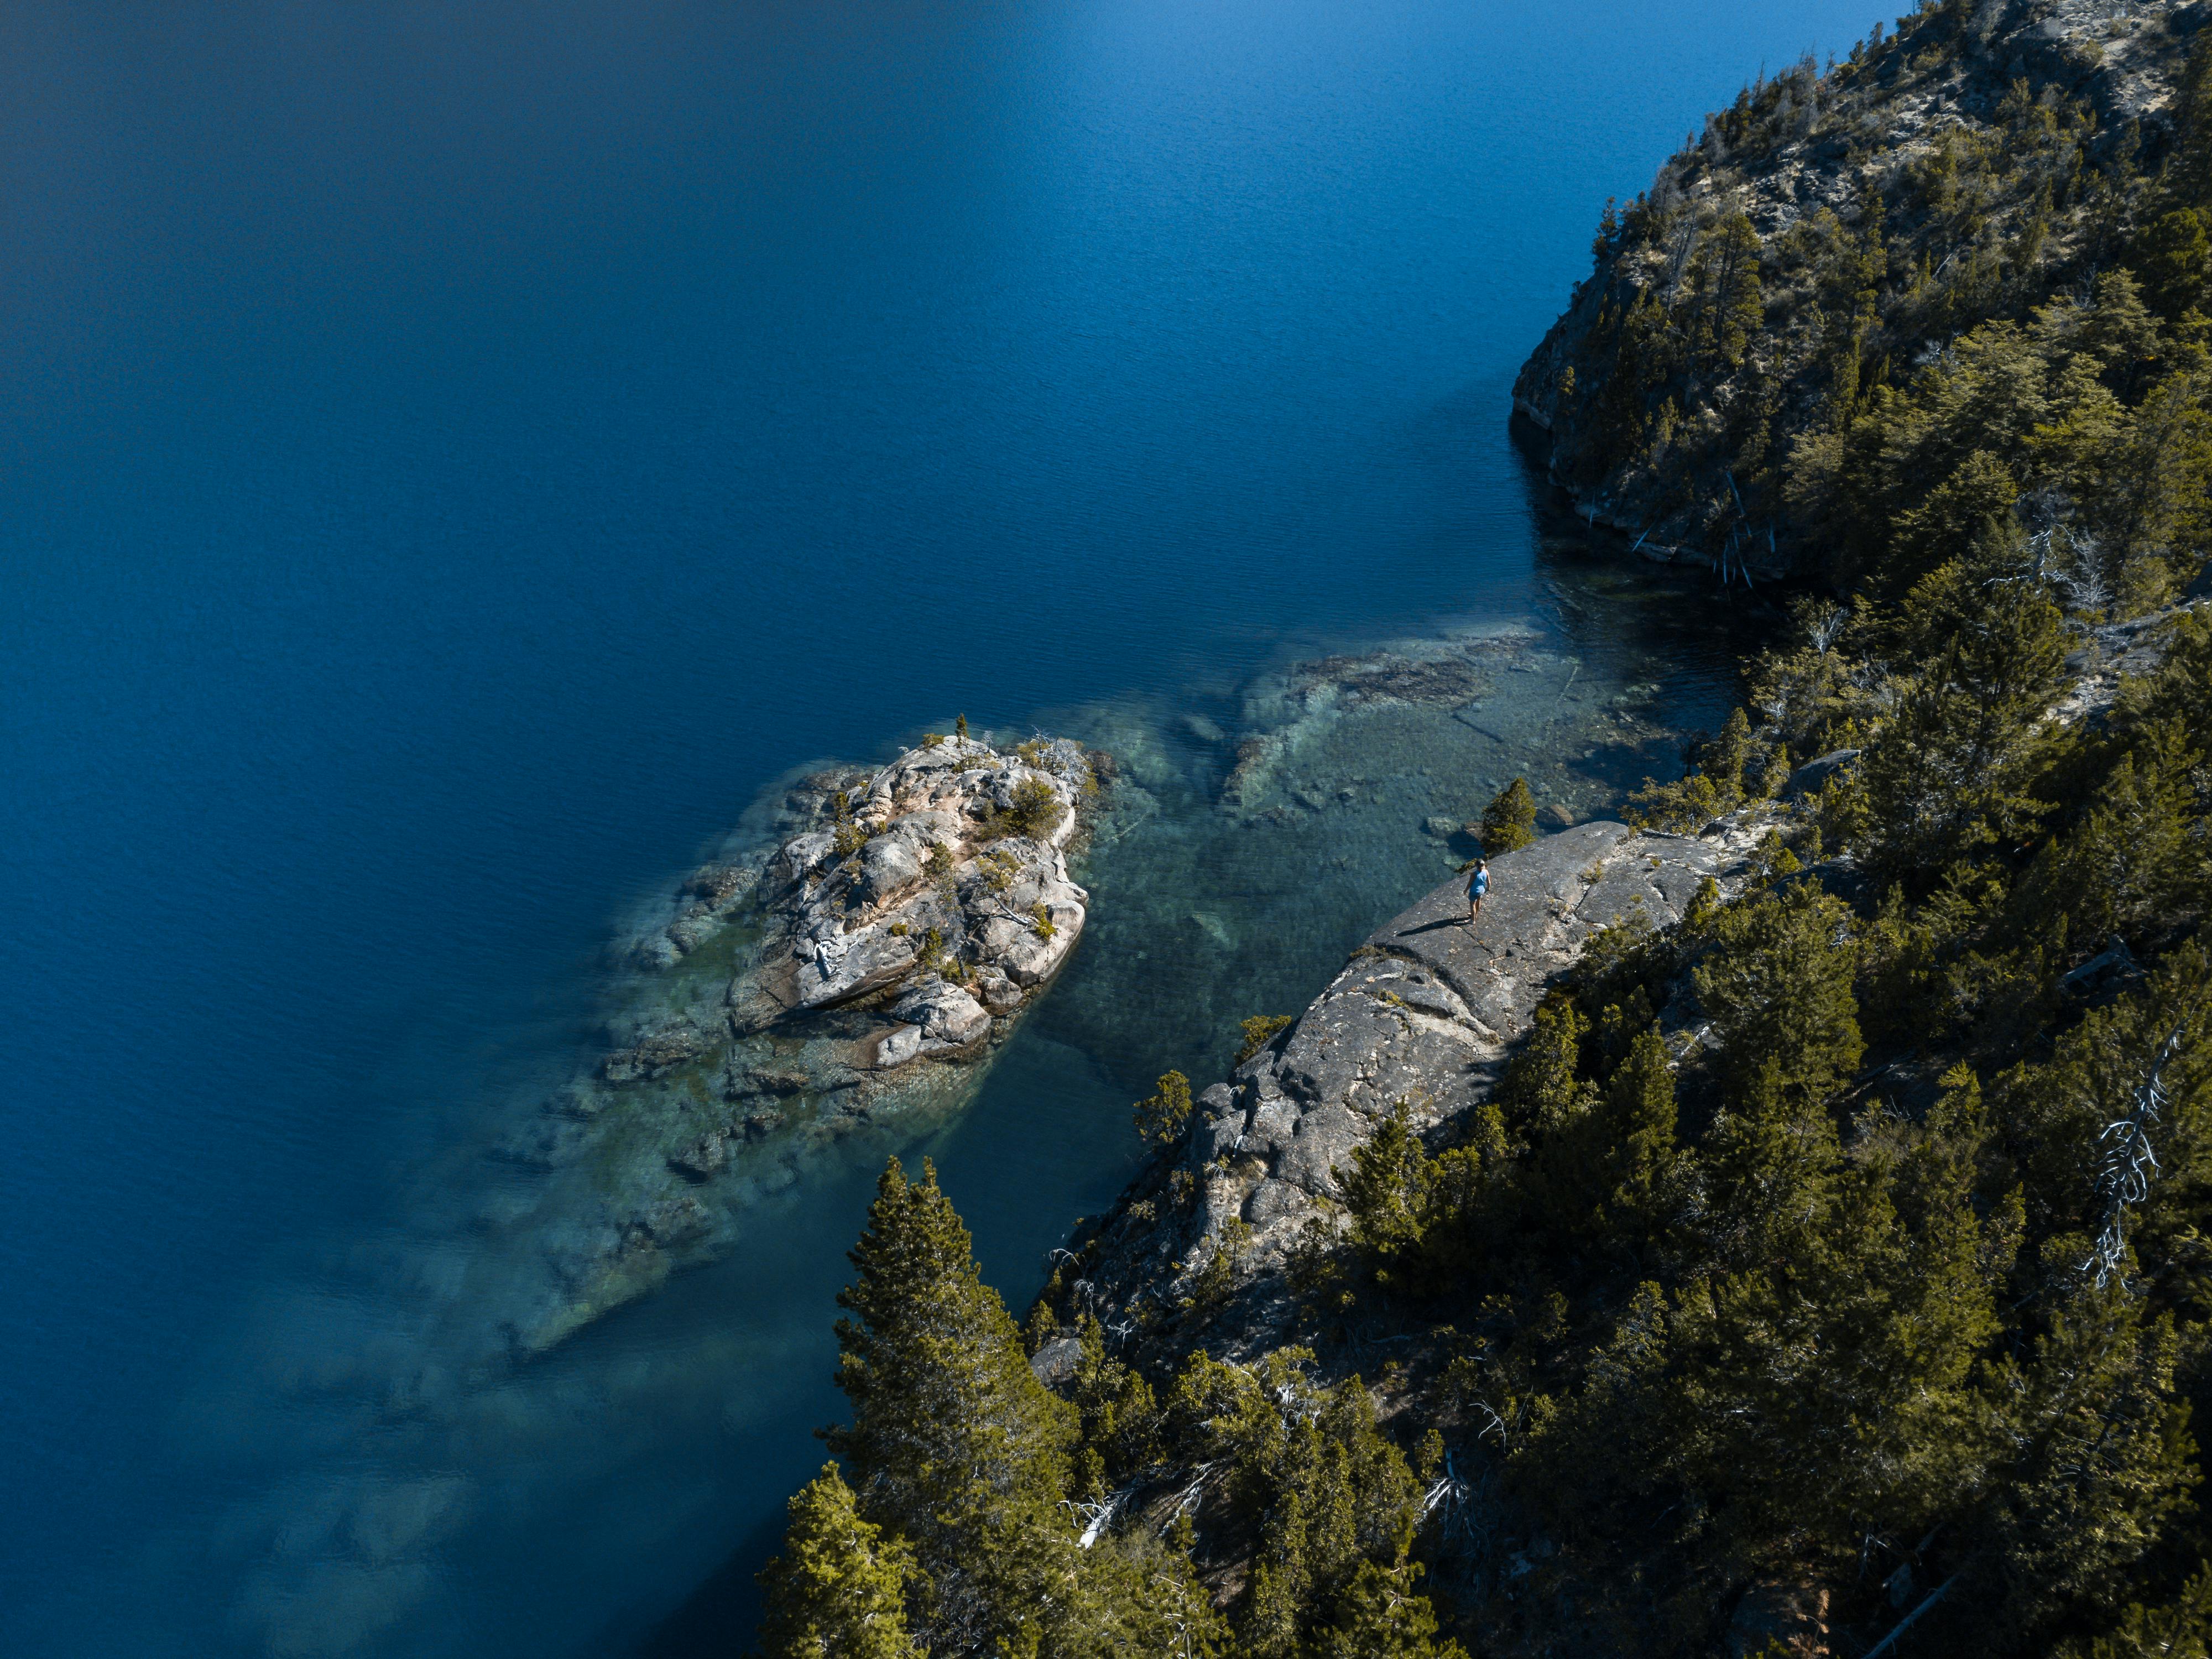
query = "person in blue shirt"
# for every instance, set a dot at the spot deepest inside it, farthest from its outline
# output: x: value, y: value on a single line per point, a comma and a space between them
x: 1478, y: 883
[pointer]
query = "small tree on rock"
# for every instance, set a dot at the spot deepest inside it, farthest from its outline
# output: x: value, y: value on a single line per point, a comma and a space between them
x: 1160, y: 1115
x: 1509, y: 820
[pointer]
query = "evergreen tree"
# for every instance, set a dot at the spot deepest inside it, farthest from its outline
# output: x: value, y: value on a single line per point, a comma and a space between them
x: 1387, y: 1191
x: 2104, y: 1457
x: 1120, y: 1417
x: 1259, y: 1031
x: 1383, y: 1616
x: 1542, y: 1080
x: 2174, y: 256
x: 1778, y: 988
x: 1641, y: 1102
x: 1509, y: 820
x: 1328, y: 1489
x: 1725, y: 310
x: 954, y: 1444
x: 1160, y: 1116
x: 2137, y: 861
x: 2181, y: 1629
x: 839, y: 1589
x: 1951, y: 773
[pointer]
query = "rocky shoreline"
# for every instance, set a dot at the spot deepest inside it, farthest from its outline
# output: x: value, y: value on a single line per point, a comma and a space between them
x: 1424, y: 1014
x: 838, y: 979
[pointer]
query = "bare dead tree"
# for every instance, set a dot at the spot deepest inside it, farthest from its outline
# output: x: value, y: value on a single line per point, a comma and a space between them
x: 2126, y: 1163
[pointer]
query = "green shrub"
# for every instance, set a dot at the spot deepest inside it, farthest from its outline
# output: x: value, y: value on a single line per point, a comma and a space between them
x: 1160, y: 1115
x: 1259, y: 1031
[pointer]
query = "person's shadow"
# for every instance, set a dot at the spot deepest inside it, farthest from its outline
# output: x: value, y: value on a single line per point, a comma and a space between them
x: 1431, y: 927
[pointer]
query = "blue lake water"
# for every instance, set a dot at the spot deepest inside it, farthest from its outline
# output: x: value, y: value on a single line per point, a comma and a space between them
x: 454, y: 457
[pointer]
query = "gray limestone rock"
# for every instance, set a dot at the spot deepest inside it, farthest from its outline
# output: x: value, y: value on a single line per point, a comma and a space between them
x: 1424, y: 1015
x: 1815, y: 773
x: 843, y: 966
x: 704, y: 1157
x: 898, y: 1046
x: 1323, y: 1138
x: 998, y: 993
x: 948, y: 1016
x: 1275, y: 1202
x: 662, y: 1051
x: 1054, y: 1364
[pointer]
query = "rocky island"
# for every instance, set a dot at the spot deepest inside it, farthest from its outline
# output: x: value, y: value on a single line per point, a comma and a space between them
x: 853, y: 960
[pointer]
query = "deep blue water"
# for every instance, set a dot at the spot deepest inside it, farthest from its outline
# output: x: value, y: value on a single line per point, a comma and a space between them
x: 454, y: 455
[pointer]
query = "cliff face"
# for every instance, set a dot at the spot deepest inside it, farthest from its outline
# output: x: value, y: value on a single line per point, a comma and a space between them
x: 1834, y: 231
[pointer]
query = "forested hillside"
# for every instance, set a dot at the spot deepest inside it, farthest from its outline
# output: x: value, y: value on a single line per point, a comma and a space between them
x: 1870, y: 306
x: 1831, y: 1272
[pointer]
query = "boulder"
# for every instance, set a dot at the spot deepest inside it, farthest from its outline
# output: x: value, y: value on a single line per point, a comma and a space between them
x: 949, y: 1018
x: 1054, y: 1364
x: 898, y: 1046
x: 889, y: 863
x: 843, y: 966
x: 1815, y: 773
x: 705, y: 1157
x: 652, y: 1055
x: 997, y: 993
x: 802, y: 854
x: 1030, y: 959
x: 1217, y: 1127
x: 1273, y: 1201
x: 1324, y: 1137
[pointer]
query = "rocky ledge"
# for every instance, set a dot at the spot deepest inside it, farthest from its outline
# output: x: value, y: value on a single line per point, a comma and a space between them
x: 1424, y: 1013
x: 848, y: 967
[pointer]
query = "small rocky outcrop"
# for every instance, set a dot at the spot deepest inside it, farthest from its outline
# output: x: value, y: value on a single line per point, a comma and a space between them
x: 850, y: 966
x: 951, y: 869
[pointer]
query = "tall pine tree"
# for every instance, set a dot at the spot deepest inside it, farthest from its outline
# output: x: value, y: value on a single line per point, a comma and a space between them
x: 954, y: 1442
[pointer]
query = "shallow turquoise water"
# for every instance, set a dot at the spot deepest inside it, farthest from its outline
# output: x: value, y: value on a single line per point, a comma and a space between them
x: 457, y: 456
